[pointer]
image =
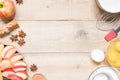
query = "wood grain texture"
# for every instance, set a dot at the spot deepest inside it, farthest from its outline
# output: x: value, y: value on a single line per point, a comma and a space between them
x: 60, y: 37
x: 57, y: 10
x: 62, y: 66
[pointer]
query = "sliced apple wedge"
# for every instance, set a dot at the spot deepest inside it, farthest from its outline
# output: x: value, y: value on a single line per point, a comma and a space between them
x: 22, y: 74
x: 6, y: 50
x: 6, y: 72
x: 14, y: 77
x: 1, y: 78
x: 10, y: 53
x: 1, y: 48
x: 0, y: 59
x: 20, y: 66
x: 5, y: 64
x: 16, y: 57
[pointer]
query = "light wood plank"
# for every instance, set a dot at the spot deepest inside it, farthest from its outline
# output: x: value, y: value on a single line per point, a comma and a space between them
x: 57, y: 10
x: 62, y: 66
x: 60, y: 36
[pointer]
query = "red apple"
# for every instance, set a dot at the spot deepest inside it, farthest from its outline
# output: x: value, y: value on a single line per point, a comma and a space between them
x: 7, y: 8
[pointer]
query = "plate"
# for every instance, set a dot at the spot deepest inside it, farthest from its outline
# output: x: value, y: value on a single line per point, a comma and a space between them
x: 112, y: 6
x: 104, y: 73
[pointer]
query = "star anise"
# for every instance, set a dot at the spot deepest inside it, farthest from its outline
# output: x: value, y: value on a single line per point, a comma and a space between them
x: 33, y: 67
x: 21, y: 42
x: 19, y: 2
x: 22, y: 34
x: 14, y: 38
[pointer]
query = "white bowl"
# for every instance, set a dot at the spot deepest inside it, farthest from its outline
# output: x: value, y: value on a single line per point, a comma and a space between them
x: 112, y: 6
x: 104, y: 73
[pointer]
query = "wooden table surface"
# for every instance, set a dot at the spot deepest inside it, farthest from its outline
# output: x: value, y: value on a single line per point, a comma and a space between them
x: 60, y: 36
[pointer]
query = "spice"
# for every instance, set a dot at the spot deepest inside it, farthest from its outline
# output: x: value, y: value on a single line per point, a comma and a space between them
x: 7, y: 28
x: 19, y: 2
x: 33, y: 67
x: 22, y: 34
x: 14, y: 38
x: 19, y: 38
x: 21, y: 42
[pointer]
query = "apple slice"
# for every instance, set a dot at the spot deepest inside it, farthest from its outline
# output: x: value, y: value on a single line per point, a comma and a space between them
x: 16, y: 57
x: 20, y: 66
x: 5, y: 64
x: 22, y: 74
x: 1, y: 48
x: 6, y: 72
x: 6, y: 50
x: 9, y: 53
x: 1, y: 78
x: 14, y: 77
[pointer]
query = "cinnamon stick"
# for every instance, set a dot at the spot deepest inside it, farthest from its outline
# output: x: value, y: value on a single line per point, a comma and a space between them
x: 7, y: 28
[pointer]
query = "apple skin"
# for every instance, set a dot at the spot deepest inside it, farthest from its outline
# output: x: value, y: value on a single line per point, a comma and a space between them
x: 7, y: 9
x: 8, y: 71
x: 14, y: 77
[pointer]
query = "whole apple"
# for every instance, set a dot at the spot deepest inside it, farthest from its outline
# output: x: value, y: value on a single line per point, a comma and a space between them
x: 7, y: 9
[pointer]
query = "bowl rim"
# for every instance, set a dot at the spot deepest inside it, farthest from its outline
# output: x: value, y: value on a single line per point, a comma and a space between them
x: 99, y: 4
x: 96, y: 72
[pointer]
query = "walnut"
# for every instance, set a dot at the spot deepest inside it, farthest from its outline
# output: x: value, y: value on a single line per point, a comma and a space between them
x: 33, y: 67
x: 21, y: 42
x: 19, y: 2
x: 22, y: 34
x: 14, y: 38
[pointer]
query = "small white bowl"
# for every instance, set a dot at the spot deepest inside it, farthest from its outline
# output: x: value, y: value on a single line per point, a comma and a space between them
x: 111, y: 6
x: 104, y: 73
x: 97, y: 55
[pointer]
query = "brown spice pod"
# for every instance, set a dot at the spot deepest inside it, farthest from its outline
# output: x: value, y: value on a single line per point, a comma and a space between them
x: 38, y: 77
